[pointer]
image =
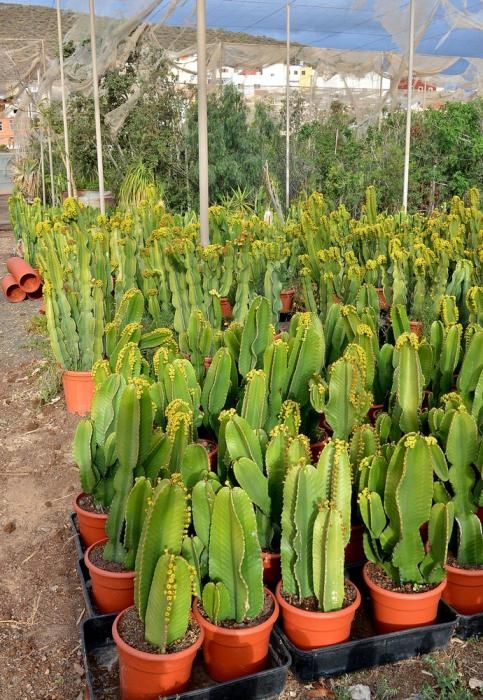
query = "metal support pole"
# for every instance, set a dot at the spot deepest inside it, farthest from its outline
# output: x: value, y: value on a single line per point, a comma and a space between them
x: 287, y: 116
x: 41, y: 143
x: 68, y: 170
x: 97, y: 109
x: 407, y: 146
x: 49, y: 136
x: 202, y: 122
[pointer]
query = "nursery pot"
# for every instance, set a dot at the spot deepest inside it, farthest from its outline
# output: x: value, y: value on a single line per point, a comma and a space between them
x: 92, y: 526
x: 112, y: 591
x: 464, y: 590
x: 383, y: 305
x: 78, y: 391
x: 36, y: 295
x: 286, y: 297
x: 354, y: 552
x: 232, y: 653
x: 311, y: 630
x: 226, y: 308
x: 316, y: 448
x: 12, y: 291
x: 394, y: 611
x: 271, y: 568
x: 416, y: 327
x: 27, y: 279
x: 145, y: 676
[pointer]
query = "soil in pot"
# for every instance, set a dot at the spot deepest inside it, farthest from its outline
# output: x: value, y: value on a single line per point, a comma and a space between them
x: 91, y: 518
x: 307, y: 627
x: 145, y: 673
x: 398, y: 607
x: 464, y: 589
x: 112, y: 584
x: 232, y: 649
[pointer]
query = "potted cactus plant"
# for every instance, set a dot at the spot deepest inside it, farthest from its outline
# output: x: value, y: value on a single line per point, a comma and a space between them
x: 405, y: 580
x: 235, y: 611
x: 158, y: 638
x: 464, y: 590
x: 317, y: 604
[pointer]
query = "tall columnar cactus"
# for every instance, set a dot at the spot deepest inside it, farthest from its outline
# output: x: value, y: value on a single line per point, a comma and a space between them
x: 399, y: 320
x: 335, y: 468
x: 255, y: 336
x: 470, y: 379
x: 235, y: 589
x: 272, y: 286
x: 216, y: 387
x: 254, y: 404
x: 305, y: 357
x: 408, y: 382
x: 462, y: 449
x: 275, y: 366
x: 197, y: 341
x: 328, y: 558
x: 474, y: 304
x: 392, y: 538
x: 446, y: 346
x: 165, y: 525
x: 348, y: 399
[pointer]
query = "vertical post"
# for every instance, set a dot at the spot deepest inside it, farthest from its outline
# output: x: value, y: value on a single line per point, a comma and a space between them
x: 49, y: 136
x: 68, y: 170
x: 202, y: 122
x: 407, y: 146
x: 41, y: 142
x: 97, y: 109
x: 287, y: 116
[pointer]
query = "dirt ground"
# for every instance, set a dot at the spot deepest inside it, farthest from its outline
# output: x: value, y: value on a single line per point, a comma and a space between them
x: 41, y: 605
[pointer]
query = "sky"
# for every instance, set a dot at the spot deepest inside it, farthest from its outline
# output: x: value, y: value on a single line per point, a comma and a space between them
x: 370, y: 25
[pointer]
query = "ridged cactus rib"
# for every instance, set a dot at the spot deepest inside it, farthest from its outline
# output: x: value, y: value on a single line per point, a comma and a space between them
x: 328, y: 559
x: 195, y: 465
x: 164, y: 529
x: 203, y: 499
x: 82, y: 454
x: 335, y: 471
x: 242, y: 441
x: 234, y: 553
x: 136, y: 507
x: 308, y: 495
x: 216, y: 601
x: 439, y: 533
x: 169, y: 603
x: 127, y: 448
x: 306, y: 357
x: 254, y: 404
x: 103, y: 407
x: 275, y: 366
x: 253, y: 482
x: 409, y: 382
x: 216, y: 386
x: 255, y: 335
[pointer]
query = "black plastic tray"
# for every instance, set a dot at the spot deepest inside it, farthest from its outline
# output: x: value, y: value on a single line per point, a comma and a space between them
x: 79, y: 545
x: 86, y: 585
x: 369, y: 651
x: 469, y: 625
x: 100, y: 654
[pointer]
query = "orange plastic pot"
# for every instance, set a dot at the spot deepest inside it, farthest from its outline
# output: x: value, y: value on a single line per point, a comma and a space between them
x: 374, y: 411
x: 316, y: 448
x: 416, y: 327
x: 26, y: 277
x: 92, y: 526
x: 383, y: 305
x: 226, y: 308
x: 12, y: 291
x: 286, y: 297
x: 78, y: 391
x: 145, y: 676
x: 212, y: 449
x: 271, y: 568
x: 311, y: 630
x: 354, y: 552
x: 232, y: 653
x: 464, y: 590
x: 399, y: 611
x: 112, y: 591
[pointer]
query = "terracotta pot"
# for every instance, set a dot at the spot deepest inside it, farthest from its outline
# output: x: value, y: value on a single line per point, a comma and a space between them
x: 226, y: 308
x: 78, y: 391
x: 374, y: 411
x: 36, y: 295
x: 145, y: 676
x: 231, y: 653
x: 416, y: 327
x: 212, y: 449
x: 207, y: 362
x: 311, y: 630
x: 271, y: 568
x: 464, y: 590
x: 316, y: 448
x: 112, y: 591
x: 354, y: 552
x: 286, y: 297
x: 383, y: 305
x: 12, y: 291
x: 27, y: 279
x: 399, y: 611
x: 92, y: 526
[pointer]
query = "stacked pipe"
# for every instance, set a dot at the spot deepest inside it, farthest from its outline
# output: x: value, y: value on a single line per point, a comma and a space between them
x: 21, y: 282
